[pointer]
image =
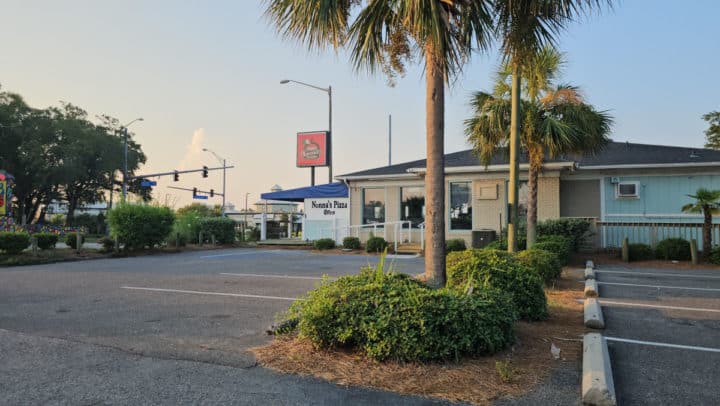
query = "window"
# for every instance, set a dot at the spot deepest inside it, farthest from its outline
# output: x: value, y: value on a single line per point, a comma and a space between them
x: 412, y: 205
x: 523, y: 193
x: 626, y: 189
x: 460, y: 206
x: 373, y: 206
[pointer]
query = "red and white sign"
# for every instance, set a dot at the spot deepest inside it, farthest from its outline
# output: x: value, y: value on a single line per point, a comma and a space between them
x: 312, y: 149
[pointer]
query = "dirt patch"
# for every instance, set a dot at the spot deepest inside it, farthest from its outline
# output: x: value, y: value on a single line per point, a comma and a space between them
x: 475, y: 380
x: 612, y: 258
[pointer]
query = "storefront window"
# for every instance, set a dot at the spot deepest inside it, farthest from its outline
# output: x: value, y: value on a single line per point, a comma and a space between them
x: 412, y: 206
x: 460, y: 206
x: 373, y: 206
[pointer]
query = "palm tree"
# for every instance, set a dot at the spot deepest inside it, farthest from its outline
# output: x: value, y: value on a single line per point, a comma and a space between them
x: 524, y: 28
x: 556, y: 121
x: 706, y: 202
x: 386, y: 34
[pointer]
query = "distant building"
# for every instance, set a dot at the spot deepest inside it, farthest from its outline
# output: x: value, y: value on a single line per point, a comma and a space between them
x: 61, y: 207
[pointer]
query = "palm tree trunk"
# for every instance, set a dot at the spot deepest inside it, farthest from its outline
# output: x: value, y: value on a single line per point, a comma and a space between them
x: 707, y: 233
x: 514, y: 163
x: 533, y: 173
x: 435, y: 175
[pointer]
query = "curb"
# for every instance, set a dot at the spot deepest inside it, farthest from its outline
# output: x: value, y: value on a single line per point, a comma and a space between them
x: 589, y: 273
x: 598, y: 388
x: 593, y: 314
x: 591, y: 288
x: 589, y: 264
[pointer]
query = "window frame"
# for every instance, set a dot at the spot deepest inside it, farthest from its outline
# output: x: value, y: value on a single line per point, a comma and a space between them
x: 450, y: 228
x: 402, y: 214
x: 384, y: 206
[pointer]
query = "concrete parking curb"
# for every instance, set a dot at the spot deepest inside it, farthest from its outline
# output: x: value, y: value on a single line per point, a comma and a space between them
x: 598, y: 388
x: 593, y: 314
x: 591, y: 288
x: 589, y: 273
x: 589, y: 264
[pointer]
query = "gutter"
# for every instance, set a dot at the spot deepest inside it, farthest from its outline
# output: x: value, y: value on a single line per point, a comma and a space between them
x: 651, y: 166
x: 369, y: 177
x: 496, y: 168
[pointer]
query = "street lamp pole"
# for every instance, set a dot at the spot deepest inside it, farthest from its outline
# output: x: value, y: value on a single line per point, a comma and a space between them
x: 125, y: 157
x: 224, y: 176
x: 327, y: 90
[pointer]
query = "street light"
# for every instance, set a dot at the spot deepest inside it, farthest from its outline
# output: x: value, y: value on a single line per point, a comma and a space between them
x: 224, y: 171
x: 125, y: 159
x: 327, y: 90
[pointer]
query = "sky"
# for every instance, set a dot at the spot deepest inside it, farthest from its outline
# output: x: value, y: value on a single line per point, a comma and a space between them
x: 206, y: 74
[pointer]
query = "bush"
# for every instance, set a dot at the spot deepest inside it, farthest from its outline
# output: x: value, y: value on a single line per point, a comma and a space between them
x: 46, y: 241
x: 640, y: 252
x: 393, y: 316
x: 71, y: 240
x: 13, y: 243
x: 188, y: 225
x: 576, y: 230
x: 558, y: 244
x: 715, y: 255
x: 482, y: 269
x: 375, y: 244
x: 140, y: 226
x: 176, y: 239
x: 545, y: 263
x: 673, y: 248
x: 324, y: 244
x: 108, y: 244
x: 222, y: 228
x: 456, y: 244
x: 502, y: 242
x: 351, y: 243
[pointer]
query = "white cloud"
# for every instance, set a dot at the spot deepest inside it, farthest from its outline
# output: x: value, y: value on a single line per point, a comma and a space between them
x: 193, y: 152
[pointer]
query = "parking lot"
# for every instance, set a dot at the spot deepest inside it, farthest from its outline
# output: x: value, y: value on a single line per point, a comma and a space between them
x: 663, y: 334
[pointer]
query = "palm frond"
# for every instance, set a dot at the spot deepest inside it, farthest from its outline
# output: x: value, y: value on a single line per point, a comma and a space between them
x: 315, y: 23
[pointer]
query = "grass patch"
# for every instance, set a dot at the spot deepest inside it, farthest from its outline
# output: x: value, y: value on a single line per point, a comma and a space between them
x: 473, y: 379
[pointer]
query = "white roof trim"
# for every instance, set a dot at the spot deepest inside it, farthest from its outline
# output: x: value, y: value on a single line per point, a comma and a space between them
x: 495, y: 168
x: 386, y: 176
x: 651, y: 166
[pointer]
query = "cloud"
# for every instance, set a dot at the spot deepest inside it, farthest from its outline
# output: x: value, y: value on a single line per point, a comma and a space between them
x: 193, y: 151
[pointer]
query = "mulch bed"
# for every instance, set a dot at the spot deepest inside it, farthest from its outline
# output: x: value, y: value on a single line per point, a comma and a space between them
x: 474, y: 380
x: 612, y: 258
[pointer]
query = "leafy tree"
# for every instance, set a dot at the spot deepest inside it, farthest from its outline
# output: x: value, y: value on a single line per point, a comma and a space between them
x: 712, y: 134
x: 706, y: 202
x: 556, y: 121
x: 524, y: 27
x: 200, y: 209
x: 386, y: 34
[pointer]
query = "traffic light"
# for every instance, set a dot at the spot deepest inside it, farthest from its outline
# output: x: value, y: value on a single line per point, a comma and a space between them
x: 212, y: 192
x: 194, y: 191
x: 176, y: 176
x: 205, y: 171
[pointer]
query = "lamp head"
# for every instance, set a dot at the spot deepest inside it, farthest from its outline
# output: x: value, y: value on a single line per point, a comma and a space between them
x: 282, y: 82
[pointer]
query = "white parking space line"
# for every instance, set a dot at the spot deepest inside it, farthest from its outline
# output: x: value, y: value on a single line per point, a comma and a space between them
x: 659, y: 274
x: 254, y: 275
x: 235, y: 254
x: 694, y: 309
x: 656, y: 344
x: 198, y: 292
x: 658, y: 286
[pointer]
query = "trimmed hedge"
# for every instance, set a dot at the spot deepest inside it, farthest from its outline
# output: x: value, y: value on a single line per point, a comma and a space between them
x: 545, y: 263
x: 13, y: 243
x: 46, y: 241
x: 482, y: 269
x: 673, y: 249
x: 640, y: 252
x: 375, y: 244
x: 141, y: 226
x: 222, y: 228
x: 575, y: 230
x: 715, y: 255
x: 351, y: 243
x: 71, y: 240
x: 324, y: 244
x: 558, y: 244
x: 455, y: 244
x: 393, y: 316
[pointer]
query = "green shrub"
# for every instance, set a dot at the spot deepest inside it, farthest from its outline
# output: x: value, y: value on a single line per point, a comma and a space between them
x: 375, y: 244
x: 673, y: 248
x: 351, y: 243
x: 393, y: 316
x: 715, y: 255
x: 188, y: 225
x: 324, y: 244
x: 502, y: 243
x: 576, y: 230
x: 108, y: 244
x: 640, y: 252
x: 455, y: 244
x: 140, y: 226
x: 562, y: 246
x: 71, y: 240
x: 545, y: 263
x: 254, y: 234
x: 46, y: 241
x: 176, y: 239
x: 493, y: 269
x: 13, y: 243
x: 222, y: 228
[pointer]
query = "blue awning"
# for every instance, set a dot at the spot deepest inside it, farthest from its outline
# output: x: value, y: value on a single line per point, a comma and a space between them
x: 310, y: 192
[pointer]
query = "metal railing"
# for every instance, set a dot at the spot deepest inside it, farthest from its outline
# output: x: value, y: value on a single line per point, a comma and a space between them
x: 611, y: 233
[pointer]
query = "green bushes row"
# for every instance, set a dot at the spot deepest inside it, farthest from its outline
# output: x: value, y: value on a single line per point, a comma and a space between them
x: 545, y: 263
x: 455, y: 244
x: 13, y: 243
x: 222, y: 228
x: 668, y: 249
x: 324, y: 244
x: 140, y: 226
x: 46, y: 241
x: 71, y: 240
x: 715, y: 255
x: 351, y: 243
x: 640, y: 252
x: 392, y: 316
x: 375, y: 244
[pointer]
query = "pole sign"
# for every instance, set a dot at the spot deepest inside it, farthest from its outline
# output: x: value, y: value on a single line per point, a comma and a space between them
x: 148, y: 183
x: 200, y: 197
x: 312, y: 149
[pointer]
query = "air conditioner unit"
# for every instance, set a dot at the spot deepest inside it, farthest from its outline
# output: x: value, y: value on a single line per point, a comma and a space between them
x: 627, y: 189
x: 614, y: 180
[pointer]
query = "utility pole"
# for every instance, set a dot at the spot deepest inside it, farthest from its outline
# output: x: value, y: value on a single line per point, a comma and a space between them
x: 389, y: 139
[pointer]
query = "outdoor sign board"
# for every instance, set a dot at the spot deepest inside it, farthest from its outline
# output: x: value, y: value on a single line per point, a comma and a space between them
x: 327, y: 208
x: 312, y: 149
x: 200, y: 197
x: 3, y: 191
